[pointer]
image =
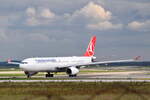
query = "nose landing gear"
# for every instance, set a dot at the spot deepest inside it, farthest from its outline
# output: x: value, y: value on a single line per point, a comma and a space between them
x: 29, y: 74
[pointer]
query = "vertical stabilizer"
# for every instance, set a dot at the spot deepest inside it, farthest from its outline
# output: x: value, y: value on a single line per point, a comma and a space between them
x: 91, y: 47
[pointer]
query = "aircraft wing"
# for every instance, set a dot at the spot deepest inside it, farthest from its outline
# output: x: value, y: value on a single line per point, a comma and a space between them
x: 108, y: 62
x: 9, y: 61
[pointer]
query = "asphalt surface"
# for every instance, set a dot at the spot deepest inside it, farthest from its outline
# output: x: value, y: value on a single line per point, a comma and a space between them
x: 127, y: 76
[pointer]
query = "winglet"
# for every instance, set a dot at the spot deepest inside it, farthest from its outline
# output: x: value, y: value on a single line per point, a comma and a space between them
x: 137, y: 57
x: 9, y: 60
x: 91, y: 47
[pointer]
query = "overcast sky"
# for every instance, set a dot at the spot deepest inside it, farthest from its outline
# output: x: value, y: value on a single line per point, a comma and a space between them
x: 34, y: 28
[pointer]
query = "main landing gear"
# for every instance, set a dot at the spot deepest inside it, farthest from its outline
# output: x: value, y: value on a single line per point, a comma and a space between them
x: 73, y: 75
x: 49, y: 75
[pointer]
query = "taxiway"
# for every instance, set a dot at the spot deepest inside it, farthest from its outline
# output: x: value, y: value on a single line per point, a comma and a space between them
x: 127, y: 76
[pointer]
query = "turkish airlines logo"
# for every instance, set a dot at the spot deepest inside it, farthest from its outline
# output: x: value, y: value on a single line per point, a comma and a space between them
x: 91, y: 48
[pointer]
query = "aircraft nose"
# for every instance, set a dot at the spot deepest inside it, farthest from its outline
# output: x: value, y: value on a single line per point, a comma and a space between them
x: 22, y: 66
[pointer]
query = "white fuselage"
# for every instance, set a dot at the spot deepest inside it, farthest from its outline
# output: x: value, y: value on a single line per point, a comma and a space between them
x: 52, y: 63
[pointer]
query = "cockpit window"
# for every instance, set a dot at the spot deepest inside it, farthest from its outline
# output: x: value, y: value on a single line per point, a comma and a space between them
x: 24, y: 63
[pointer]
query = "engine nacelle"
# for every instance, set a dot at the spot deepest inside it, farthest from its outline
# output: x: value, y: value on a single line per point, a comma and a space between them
x: 72, y: 71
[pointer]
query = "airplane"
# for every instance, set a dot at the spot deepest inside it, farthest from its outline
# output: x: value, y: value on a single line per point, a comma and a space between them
x: 70, y: 65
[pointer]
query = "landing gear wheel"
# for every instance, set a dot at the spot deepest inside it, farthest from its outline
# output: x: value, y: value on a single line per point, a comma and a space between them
x: 72, y: 75
x: 28, y: 76
x: 49, y: 75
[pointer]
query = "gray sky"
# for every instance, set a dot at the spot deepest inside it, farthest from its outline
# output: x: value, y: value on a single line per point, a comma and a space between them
x: 34, y: 28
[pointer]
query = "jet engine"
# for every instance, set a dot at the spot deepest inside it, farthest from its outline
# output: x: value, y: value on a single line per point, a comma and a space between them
x: 72, y: 71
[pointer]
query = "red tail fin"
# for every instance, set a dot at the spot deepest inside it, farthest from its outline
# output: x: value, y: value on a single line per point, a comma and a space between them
x: 91, y: 47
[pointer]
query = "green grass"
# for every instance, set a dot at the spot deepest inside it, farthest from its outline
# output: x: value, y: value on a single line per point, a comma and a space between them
x: 75, y: 91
